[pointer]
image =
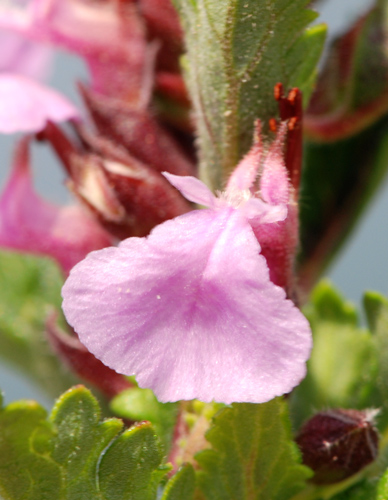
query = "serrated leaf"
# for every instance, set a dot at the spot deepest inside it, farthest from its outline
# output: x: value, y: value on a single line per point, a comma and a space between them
x: 237, y: 50
x: 26, y: 472
x: 29, y: 286
x: 74, y: 455
x: 80, y: 441
x: 253, y: 456
x: 181, y: 486
x: 129, y: 469
x: 141, y: 404
x: 342, y: 368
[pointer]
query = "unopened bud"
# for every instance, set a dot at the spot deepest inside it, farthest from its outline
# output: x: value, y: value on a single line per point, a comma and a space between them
x: 336, y: 444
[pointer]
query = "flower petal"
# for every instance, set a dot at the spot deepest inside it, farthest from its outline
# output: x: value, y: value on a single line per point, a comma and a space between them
x: 191, y: 311
x: 192, y: 189
x: 30, y: 224
x: 24, y: 57
x: 27, y: 105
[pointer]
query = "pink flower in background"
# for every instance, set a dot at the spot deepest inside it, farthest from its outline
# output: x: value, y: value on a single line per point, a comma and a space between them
x: 190, y: 309
x: 28, y: 223
x: 27, y: 104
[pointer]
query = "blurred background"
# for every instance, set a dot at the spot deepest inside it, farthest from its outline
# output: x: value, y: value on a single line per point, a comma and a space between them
x: 361, y: 265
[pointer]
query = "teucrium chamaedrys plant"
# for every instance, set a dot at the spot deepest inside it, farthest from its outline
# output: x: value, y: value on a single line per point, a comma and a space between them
x: 201, y: 305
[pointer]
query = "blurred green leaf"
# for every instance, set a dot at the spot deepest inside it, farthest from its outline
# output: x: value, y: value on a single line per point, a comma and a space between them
x: 346, y: 151
x: 141, y: 404
x: 382, y: 488
x: 74, y: 455
x: 29, y: 287
x: 376, y: 307
x: 253, y: 456
x: 343, y: 366
x: 237, y: 50
x: 364, y: 490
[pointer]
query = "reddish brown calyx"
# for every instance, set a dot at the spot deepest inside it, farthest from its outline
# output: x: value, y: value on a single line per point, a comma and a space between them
x: 338, y: 443
x: 290, y: 110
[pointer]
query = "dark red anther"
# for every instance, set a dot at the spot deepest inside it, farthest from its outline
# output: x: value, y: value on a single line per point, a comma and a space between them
x: 273, y: 125
x: 290, y: 108
x: 338, y: 443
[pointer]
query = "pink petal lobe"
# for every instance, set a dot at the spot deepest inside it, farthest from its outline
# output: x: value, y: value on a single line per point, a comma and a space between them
x: 30, y: 224
x: 244, y: 175
x: 274, y: 181
x: 192, y: 189
x: 190, y: 310
x: 27, y: 105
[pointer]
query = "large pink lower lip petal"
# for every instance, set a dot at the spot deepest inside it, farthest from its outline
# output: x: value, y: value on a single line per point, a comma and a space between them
x: 27, y: 105
x: 191, y: 311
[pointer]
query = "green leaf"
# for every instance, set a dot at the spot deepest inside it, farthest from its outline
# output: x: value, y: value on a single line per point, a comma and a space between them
x: 74, y: 455
x: 364, y: 490
x: 382, y: 488
x: 253, y: 456
x: 181, y: 486
x: 141, y: 404
x: 237, y: 50
x: 377, y: 313
x: 26, y: 470
x: 343, y: 365
x: 130, y: 467
x: 29, y: 287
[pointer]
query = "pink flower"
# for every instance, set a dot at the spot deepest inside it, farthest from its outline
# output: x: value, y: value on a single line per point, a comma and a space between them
x: 27, y: 105
x: 108, y: 35
x: 28, y: 223
x: 190, y: 309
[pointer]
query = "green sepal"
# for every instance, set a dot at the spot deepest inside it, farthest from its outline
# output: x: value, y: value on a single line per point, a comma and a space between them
x: 182, y: 485
x: 237, y: 50
x: 253, y: 456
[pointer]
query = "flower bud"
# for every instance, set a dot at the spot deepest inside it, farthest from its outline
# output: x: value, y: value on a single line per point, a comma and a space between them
x: 337, y: 443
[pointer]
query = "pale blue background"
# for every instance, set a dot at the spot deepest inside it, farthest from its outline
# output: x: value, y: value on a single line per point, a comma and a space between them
x: 361, y: 265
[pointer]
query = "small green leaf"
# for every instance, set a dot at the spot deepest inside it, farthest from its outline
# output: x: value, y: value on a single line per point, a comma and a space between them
x: 26, y: 472
x: 129, y: 466
x: 253, y: 456
x: 343, y: 367
x: 377, y: 313
x: 182, y: 485
x: 81, y: 439
x: 375, y: 305
x: 141, y: 404
x: 237, y: 50
x: 29, y: 287
x: 74, y: 455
